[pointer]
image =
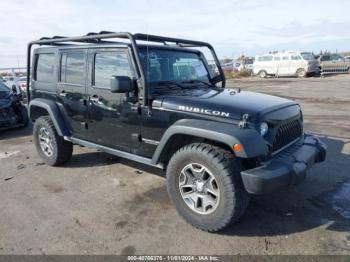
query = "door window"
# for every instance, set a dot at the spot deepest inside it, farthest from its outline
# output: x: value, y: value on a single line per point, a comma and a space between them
x: 109, y: 64
x: 265, y: 58
x: 326, y: 58
x: 45, y: 68
x: 336, y: 57
x: 73, y: 68
x: 296, y: 57
x: 285, y: 58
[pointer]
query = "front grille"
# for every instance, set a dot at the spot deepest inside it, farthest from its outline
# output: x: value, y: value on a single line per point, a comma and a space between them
x: 286, y: 133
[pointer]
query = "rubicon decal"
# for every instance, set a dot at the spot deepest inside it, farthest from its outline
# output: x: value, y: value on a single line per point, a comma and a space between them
x: 204, y: 111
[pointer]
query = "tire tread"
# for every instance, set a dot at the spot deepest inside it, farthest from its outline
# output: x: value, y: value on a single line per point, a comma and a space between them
x: 229, y: 168
x: 64, y: 148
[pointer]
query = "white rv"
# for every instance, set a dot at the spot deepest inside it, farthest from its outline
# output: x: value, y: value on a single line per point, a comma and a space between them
x: 290, y: 63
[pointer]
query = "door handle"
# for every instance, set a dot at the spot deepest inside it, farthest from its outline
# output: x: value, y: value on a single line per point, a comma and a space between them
x: 94, y: 98
x: 63, y: 93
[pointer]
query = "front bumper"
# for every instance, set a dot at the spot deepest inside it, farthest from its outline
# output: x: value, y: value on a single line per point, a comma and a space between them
x: 286, y: 168
x: 7, y: 119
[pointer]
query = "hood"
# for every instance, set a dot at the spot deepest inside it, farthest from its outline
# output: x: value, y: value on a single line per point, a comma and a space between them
x: 5, y: 100
x: 227, y: 103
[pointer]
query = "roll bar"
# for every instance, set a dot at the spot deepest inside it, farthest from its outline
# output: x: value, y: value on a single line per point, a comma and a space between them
x: 103, y: 37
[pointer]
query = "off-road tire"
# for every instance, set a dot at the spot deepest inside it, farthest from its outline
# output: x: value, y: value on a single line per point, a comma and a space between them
x: 226, y: 170
x: 262, y: 74
x: 62, y: 149
x: 24, y: 116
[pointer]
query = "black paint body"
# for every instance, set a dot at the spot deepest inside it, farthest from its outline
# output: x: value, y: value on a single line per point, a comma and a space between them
x: 149, y: 123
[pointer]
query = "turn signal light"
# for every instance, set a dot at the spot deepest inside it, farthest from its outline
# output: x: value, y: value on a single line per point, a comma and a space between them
x: 237, y: 147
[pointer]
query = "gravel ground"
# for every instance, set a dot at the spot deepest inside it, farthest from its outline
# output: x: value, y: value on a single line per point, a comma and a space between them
x: 99, y: 204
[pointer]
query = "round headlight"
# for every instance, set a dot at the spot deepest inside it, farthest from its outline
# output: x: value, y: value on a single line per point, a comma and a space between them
x: 263, y: 128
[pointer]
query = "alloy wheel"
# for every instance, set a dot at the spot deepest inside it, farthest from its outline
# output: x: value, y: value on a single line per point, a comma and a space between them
x: 45, y: 141
x: 199, y: 189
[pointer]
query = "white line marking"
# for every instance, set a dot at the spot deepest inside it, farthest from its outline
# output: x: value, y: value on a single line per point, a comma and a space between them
x: 7, y: 154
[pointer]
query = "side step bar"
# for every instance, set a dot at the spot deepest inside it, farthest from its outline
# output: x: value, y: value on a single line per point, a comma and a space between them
x: 112, y: 151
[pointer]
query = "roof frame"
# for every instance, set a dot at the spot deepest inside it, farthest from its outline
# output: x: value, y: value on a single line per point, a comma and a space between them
x: 104, y: 37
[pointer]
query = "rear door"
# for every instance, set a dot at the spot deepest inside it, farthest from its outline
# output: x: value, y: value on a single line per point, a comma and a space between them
x: 71, y: 90
x: 283, y: 66
x: 113, y: 121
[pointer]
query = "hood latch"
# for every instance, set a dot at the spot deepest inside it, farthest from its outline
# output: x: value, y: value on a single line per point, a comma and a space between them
x: 244, y: 123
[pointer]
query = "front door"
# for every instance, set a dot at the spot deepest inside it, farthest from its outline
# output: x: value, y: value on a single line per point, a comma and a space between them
x: 113, y: 121
x: 71, y: 90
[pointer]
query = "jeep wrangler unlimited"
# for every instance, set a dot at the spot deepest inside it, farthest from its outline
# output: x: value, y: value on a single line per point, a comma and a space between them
x: 155, y: 100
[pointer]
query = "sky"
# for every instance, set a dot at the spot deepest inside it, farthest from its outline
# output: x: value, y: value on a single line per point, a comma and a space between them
x: 248, y: 27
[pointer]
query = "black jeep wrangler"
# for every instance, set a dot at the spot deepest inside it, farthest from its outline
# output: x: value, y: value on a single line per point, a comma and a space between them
x: 156, y: 101
x: 12, y: 112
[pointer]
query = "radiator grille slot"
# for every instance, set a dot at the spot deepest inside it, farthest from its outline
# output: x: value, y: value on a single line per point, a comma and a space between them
x: 286, y: 133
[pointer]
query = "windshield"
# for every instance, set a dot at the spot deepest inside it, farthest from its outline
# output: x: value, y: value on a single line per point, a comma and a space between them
x: 308, y: 56
x: 21, y: 79
x: 3, y: 87
x: 172, y: 65
x: 249, y: 61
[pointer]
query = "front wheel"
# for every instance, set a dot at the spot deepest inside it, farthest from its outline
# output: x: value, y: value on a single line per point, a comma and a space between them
x: 205, y: 186
x: 301, y: 73
x: 52, y: 148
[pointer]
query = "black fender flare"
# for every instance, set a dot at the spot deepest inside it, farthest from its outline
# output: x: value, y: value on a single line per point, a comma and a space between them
x: 53, y: 111
x: 253, y: 144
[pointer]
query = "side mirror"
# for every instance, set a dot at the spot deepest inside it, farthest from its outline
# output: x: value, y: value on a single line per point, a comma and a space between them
x: 121, y: 84
x: 14, y: 89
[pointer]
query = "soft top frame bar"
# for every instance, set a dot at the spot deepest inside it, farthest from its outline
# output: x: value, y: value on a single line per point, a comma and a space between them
x: 103, y: 37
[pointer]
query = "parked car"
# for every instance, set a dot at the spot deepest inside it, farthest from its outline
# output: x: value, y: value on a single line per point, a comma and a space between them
x: 231, y: 67
x: 137, y: 101
x: 347, y: 58
x: 333, y: 63
x: 290, y: 63
x: 214, y: 69
x: 19, y: 84
x: 12, y: 112
x: 22, y: 83
x: 247, y: 64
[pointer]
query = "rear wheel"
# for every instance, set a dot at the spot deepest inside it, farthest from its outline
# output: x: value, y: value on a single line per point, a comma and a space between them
x: 205, y: 186
x: 262, y: 74
x: 52, y: 148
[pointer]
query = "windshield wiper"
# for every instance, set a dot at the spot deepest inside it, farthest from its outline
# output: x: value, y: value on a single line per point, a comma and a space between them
x: 173, y: 83
x: 197, y: 81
